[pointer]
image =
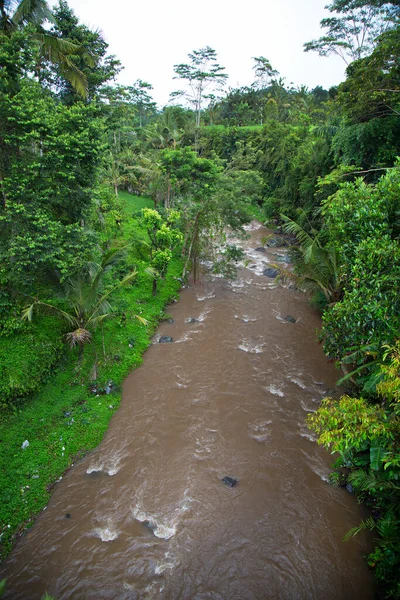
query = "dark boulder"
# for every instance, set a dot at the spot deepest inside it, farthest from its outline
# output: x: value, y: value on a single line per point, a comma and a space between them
x: 192, y: 320
x: 270, y: 272
x: 276, y: 242
x: 149, y: 525
x: 229, y: 481
x: 260, y: 249
x: 164, y: 339
x: 290, y: 319
x: 282, y: 258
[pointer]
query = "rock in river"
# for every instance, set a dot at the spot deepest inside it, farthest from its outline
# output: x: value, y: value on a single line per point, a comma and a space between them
x: 164, y: 339
x: 270, y: 272
x: 260, y: 249
x: 276, y: 242
x: 289, y: 319
x: 229, y: 481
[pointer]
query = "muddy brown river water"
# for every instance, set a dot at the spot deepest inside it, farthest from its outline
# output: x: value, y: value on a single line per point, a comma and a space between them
x: 149, y: 515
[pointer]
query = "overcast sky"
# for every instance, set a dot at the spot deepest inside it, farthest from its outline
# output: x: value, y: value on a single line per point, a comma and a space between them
x: 149, y: 37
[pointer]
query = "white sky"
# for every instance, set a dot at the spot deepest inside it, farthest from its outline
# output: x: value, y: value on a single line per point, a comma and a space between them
x: 149, y: 37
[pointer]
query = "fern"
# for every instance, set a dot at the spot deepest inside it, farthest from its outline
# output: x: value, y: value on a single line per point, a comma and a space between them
x: 367, y: 523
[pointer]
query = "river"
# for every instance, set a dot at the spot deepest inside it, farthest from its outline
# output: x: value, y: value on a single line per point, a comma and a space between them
x: 146, y: 515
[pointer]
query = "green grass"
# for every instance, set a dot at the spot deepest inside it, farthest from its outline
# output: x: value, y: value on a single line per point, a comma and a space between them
x: 65, y: 418
x: 212, y: 128
x: 133, y: 204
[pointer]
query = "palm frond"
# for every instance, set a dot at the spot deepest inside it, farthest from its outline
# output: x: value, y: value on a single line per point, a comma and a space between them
x: 27, y: 313
x: 32, y: 11
x: 57, y: 51
x: 367, y: 523
x: 293, y: 228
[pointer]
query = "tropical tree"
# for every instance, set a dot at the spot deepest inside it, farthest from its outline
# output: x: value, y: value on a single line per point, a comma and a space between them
x: 32, y: 15
x: 263, y: 72
x: 142, y: 100
x: 317, y: 264
x: 86, y: 299
x: 203, y: 74
x: 164, y: 236
x: 354, y: 29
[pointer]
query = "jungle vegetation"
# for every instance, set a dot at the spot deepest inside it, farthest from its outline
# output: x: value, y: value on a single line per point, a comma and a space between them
x: 107, y: 200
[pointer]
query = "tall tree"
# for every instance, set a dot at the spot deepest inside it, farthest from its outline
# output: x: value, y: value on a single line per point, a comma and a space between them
x: 354, y: 28
x: 203, y: 74
x: 142, y: 100
x: 263, y: 72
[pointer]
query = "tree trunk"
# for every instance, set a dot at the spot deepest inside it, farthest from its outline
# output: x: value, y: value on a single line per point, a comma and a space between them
x: 154, y: 290
x: 168, y: 198
x: 194, y: 238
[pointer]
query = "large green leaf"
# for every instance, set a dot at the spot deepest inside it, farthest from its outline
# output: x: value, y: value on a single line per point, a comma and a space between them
x: 376, y: 454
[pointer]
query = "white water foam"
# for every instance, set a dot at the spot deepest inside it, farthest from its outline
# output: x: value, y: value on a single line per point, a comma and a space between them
x: 160, y: 529
x: 201, y: 318
x: 273, y: 389
x: 111, y: 465
x: 297, y: 382
x: 246, y: 319
x: 187, y: 336
x: 237, y: 283
x: 306, y: 408
x: 261, y: 431
x: 106, y: 534
x: 206, y: 297
x: 308, y: 436
x: 251, y: 348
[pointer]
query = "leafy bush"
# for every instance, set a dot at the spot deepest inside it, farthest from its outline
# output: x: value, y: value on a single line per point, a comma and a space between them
x: 26, y: 359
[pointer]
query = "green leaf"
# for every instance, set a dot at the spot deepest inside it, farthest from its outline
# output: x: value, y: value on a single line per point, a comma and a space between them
x: 376, y: 454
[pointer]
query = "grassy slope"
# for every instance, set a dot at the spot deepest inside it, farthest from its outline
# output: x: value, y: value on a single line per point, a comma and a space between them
x: 65, y: 418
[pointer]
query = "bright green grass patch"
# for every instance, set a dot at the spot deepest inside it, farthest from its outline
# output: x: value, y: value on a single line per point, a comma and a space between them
x: 133, y: 204
x: 211, y: 128
x: 70, y: 414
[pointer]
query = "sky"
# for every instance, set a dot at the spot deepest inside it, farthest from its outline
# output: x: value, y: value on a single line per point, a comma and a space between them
x: 150, y: 36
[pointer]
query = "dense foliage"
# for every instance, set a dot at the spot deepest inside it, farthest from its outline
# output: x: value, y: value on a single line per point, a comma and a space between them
x: 81, y: 260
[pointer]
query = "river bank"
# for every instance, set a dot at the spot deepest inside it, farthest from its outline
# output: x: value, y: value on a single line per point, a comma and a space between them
x: 147, y: 515
x: 51, y: 429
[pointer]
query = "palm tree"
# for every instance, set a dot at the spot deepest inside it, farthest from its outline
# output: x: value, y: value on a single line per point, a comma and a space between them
x: 166, y: 132
x: 87, y: 300
x: 17, y: 14
x: 317, y: 263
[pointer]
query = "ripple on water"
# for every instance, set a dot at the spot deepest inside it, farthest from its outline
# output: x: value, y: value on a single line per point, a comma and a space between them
x: 111, y: 466
x: 275, y: 390
x: 167, y: 563
x: 251, y: 347
x: 297, y: 382
x: 261, y: 431
x: 206, y: 297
